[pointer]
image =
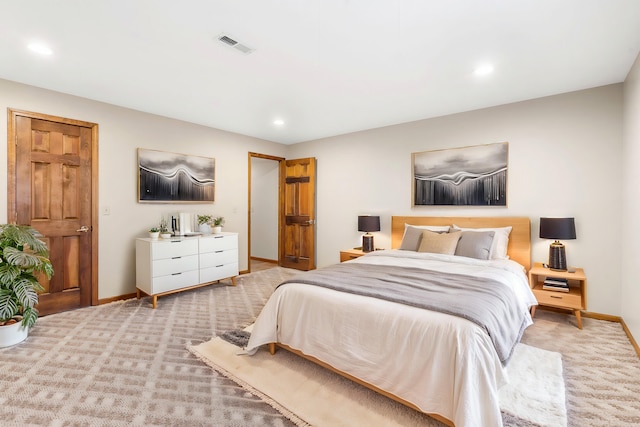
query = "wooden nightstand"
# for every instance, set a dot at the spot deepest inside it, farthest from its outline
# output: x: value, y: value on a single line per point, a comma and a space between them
x: 574, y: 300
x: 350, y: 254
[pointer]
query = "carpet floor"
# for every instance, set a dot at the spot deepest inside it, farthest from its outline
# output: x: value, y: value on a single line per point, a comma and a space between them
x: 126, y: 364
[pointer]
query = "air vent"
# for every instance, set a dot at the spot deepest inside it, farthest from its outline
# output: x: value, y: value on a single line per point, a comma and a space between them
x: 228, y: 40
x: 235, y: 44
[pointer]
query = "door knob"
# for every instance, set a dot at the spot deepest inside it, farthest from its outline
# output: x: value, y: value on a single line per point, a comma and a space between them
x: 83, y: 229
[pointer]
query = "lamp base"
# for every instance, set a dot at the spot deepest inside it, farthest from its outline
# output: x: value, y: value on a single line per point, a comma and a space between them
x: 557, y: 257
x: 367, y: 243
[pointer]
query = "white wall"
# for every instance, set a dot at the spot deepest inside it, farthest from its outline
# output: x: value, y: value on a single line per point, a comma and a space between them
x: 121, y: 132
x: 264, y: 208
x: 631, y: 202
x: 564, y: 160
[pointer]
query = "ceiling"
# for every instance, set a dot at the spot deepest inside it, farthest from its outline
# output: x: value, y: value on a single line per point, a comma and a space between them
x: 324, y: 67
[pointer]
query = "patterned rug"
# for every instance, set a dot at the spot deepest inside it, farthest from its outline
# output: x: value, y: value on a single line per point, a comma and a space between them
x: 126, y: 364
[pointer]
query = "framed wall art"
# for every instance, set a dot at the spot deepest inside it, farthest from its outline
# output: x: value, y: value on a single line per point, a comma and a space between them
x: 468, y: 176
x: 175, y: 178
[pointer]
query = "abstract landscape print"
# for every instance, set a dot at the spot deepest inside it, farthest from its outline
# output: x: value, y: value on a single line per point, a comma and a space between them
x: 472, y: 176
x: 170, y: 177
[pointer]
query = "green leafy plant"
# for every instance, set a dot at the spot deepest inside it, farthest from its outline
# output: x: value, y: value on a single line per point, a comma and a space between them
x: 154, y: 230
x: 164, y: 226
x: 204, y: 219
x: 22, y: 257
x: 218, y: 221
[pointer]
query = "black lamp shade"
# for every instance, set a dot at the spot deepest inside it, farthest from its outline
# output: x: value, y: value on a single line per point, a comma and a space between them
x: 368, y: 223
x: 557, y: 229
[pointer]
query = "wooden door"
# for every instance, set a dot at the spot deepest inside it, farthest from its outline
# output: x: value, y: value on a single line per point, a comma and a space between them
x: 52, y: 183
x: 299, y: 214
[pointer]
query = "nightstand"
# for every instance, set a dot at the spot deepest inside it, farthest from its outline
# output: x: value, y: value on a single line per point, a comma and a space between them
x: 574, y: 300
x: 350, y: 254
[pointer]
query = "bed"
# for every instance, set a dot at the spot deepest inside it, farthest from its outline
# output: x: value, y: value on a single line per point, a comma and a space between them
x: 448, y: 365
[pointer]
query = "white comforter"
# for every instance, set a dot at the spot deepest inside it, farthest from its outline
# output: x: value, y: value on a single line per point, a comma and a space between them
x: 442, y: 364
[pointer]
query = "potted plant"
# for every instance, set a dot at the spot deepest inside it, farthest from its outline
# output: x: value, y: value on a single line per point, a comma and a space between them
x: 164, y: 229
x: 217, y: 222
x: 22, y: 257
x: 154, y: 232
x: 204, y: 223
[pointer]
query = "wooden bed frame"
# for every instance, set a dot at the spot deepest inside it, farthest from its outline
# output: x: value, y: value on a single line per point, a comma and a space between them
x: 519, y: 249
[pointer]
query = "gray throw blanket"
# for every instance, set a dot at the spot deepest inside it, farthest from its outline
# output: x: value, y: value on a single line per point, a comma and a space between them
x: 490, y: 304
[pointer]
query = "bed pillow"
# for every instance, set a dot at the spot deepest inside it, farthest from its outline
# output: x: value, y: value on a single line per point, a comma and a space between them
x: 413, y: 235
x: 439, y: 243
x: 475, y: 244
x: 500, y: 240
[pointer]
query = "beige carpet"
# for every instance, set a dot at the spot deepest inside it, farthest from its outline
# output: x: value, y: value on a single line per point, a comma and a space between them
x: 311, y: 395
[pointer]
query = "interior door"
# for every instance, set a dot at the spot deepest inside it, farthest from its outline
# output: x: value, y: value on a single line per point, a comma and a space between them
x: 52, y: 179
x: 299, y: 214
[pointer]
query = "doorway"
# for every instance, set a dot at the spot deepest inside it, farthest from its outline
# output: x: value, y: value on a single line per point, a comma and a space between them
x: 264, y: 196
x: 294, y: 225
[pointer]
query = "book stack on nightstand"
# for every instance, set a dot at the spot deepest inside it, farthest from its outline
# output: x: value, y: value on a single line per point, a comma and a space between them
x: 556, y: 284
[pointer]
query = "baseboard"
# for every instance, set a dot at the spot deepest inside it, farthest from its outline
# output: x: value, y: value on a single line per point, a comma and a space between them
x: 628, y: 332
x: 118, y: 298
x: 272, y: 261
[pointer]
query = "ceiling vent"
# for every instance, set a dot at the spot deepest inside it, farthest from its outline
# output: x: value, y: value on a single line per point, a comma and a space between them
x: 235, y: 44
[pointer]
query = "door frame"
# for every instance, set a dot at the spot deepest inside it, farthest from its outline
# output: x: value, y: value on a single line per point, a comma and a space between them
x: 281, y: 171
x: 12, y: 213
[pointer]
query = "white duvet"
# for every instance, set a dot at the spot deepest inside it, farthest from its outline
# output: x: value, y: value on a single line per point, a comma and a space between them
x: 441, y: 363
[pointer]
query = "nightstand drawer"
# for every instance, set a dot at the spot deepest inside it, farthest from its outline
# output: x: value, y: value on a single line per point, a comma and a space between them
x: 571, y: 299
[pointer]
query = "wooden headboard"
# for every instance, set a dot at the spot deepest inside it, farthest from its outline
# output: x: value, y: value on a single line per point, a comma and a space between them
x: 519, y: 248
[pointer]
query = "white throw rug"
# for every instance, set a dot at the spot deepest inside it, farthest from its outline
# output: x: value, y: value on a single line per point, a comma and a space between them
x: 311, y: 395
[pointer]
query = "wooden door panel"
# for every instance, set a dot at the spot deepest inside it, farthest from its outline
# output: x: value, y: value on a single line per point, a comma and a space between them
x: 298, y: 249
x: 54, y: 184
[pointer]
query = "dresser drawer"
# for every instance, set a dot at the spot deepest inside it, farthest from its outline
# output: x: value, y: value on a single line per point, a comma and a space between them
x: 174, y: 248
x: 163, y: 267
x: 218, y: 242
x: 212, y: 274
x: 214, y: 259
x: 174, y: 281
x: 571, y: 299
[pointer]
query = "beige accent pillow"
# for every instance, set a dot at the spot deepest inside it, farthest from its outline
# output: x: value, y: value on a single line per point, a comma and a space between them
x: 413, y: 235
x: 439, y: 243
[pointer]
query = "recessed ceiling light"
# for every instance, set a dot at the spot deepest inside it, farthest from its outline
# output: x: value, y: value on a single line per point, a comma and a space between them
x: 278, y: 122
x: 483, y: 70
x: 40, y: 48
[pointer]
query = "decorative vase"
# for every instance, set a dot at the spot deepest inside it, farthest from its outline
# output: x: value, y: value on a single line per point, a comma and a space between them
x: 165, y: 235
x: 154, y: 235
x: 216, y: 229
x: 13, y: 334
x: 204, y: 228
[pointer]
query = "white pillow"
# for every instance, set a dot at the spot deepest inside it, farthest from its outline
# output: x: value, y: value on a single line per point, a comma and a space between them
x: 434, y: 228
x: 500, y: 240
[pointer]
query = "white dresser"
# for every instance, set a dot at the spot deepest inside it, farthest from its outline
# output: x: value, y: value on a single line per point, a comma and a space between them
x: 166, y: 266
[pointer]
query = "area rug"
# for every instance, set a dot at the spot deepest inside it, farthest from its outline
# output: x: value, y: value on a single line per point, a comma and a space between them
x: 313, y: 396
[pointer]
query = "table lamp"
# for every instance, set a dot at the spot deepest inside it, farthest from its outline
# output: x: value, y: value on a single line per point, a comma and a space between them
x: 557, y: 229
x: 368, y: 223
